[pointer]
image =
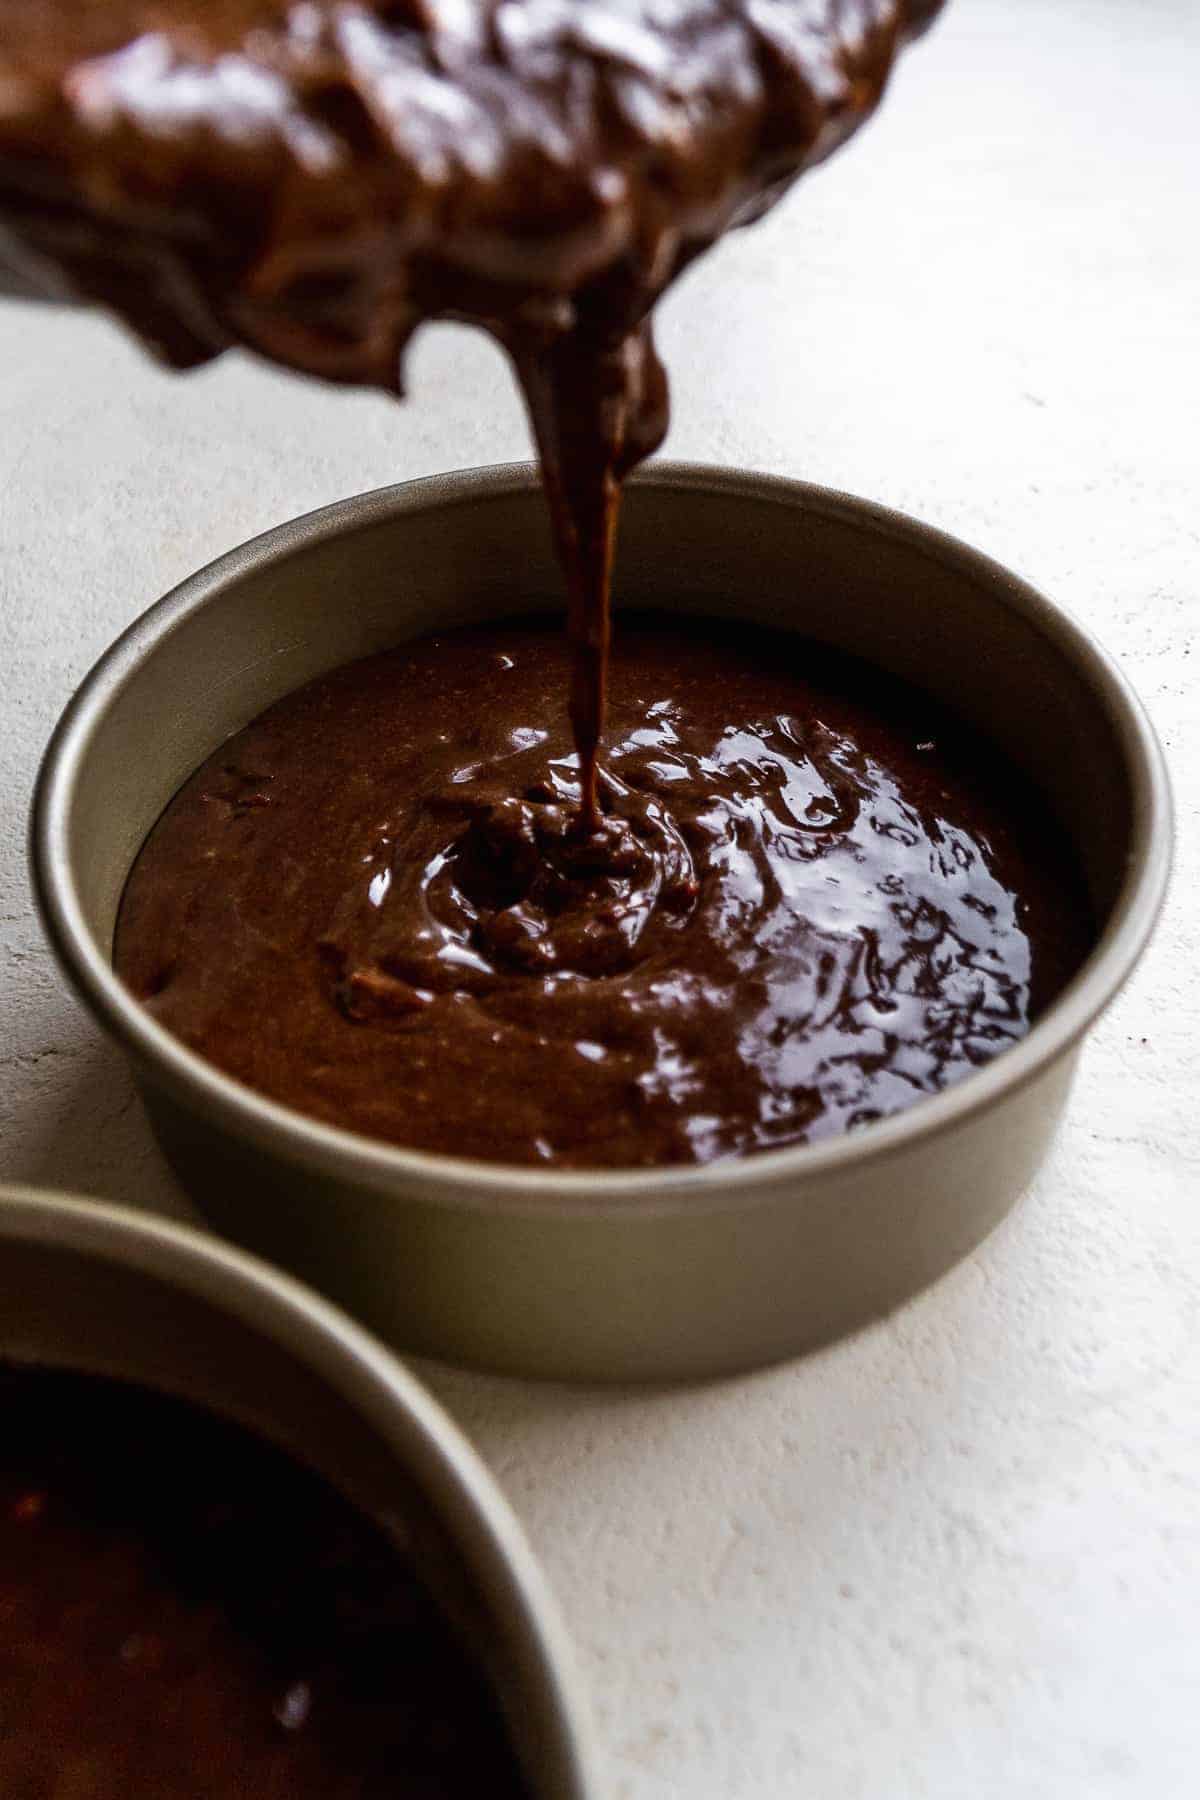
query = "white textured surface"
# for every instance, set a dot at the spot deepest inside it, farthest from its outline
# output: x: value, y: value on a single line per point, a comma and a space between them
x: 959, y: 1555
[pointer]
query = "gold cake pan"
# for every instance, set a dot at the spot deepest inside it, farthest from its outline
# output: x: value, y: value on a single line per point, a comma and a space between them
x: 105, y: 1291
x: 674, y: 1273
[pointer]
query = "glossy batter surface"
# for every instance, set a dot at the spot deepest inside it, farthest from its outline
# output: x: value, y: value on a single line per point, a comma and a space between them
x: 810, y: 900
x: 315, y: 178
x: 189, y: 1615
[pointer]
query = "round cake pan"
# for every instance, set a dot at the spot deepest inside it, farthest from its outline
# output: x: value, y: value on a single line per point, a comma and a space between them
x: 104, y: 1291
x: 675, y: 1273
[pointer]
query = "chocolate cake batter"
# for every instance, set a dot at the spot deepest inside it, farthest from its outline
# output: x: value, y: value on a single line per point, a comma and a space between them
x: 808, y: 901
x: 315, y: 179
x: 187, y: 1613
